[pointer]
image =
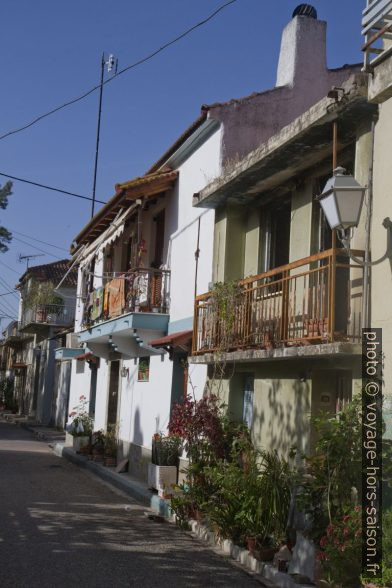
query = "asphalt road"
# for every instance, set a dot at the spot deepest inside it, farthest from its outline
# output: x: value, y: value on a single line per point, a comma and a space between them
x: 62, y: 527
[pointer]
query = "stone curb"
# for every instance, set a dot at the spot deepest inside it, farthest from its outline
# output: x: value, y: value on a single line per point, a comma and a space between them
x: 270, y: 575
x: 132, y: 488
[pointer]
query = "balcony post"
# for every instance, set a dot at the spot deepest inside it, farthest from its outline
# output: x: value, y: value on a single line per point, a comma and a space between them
x: 332, y: 293
x: 285, y: 306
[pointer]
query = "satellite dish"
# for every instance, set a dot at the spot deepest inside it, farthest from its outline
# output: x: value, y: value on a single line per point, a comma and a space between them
x: 305, y: 10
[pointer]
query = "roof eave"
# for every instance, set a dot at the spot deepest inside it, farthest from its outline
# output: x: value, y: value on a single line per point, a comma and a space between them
x: 303, y: 143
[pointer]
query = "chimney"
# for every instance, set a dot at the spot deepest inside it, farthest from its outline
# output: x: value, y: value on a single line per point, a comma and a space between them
x: 303, y: 52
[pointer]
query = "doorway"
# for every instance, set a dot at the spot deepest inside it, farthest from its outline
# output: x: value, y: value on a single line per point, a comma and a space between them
x: 114, y: 379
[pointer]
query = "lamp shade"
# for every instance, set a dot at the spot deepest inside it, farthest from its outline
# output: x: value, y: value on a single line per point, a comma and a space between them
x: 341, y: 200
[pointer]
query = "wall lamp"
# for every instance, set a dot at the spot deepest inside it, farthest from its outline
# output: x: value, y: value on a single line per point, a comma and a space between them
x: 124, y: 372
x: 342, y: 201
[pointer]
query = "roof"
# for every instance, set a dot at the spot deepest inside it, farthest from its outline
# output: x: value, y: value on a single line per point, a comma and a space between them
x: 293, y: 151
x: 181, y: 139
x: 53, y: 272
x: 144, y: 186
x: 180, y: 339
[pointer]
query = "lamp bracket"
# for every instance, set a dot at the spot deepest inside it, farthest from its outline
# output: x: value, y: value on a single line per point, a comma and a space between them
x: 345, y: 239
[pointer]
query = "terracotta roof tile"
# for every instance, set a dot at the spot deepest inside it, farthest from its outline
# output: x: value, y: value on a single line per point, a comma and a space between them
x: 53, y: 272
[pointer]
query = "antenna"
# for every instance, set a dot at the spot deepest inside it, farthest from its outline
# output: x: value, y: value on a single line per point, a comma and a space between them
x: 111, y: 63
x: 28, y: 257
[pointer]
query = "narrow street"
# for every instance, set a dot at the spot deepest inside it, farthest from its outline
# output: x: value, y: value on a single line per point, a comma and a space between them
x: 62, y: 527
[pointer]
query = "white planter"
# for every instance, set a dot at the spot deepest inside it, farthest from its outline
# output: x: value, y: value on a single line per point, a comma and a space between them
x: 79, y: 442
x: 161, y: 477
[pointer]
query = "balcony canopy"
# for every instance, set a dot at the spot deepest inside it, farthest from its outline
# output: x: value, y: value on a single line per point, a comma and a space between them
x: 126, y: 336
x: 142, y: 187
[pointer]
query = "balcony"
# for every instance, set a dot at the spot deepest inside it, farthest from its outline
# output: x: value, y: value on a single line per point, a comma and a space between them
x: 42, y: 317
x: 130, y: 308
x: 376, y: 28
x: 13, y: 337
x: 139, y: 290
x: 315, y: 300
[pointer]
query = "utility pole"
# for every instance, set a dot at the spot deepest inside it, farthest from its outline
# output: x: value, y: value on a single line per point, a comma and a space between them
x: 112, y: 62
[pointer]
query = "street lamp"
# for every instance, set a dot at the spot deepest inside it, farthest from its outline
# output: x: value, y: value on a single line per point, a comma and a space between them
x: 342, y: 201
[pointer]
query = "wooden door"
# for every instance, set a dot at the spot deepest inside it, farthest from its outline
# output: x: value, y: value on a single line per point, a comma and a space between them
x: 159, y: 238
x: 114, y: 379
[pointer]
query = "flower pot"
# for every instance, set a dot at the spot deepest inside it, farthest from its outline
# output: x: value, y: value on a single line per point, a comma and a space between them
x: 110, y: 461
x: 265, y: 553
x: 79, y: 442
x: 252, y: 544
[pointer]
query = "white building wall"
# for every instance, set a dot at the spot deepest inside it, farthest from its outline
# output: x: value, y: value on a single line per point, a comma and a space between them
x: 199, y: 169
x: 144, y: 407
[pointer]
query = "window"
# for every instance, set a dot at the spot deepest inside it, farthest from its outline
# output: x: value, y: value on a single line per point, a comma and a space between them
x: 143, y: 372
x: 247, y: 413
x: 275, y: 236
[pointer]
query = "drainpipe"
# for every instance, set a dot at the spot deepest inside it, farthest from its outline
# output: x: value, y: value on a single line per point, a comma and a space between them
x: 367, y: 269
x: 197, y: 255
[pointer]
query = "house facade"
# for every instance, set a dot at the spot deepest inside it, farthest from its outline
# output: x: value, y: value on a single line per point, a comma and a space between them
x: 282, y: 337
x: 29, y: 344
x: 376, y: 28
x: 138, y: 275
x: 143, y: 257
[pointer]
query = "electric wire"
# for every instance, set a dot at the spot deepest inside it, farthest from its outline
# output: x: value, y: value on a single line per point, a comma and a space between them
x: 37, y: 248
x: 7, y: 305
x: 38, y: 240
x: 10, y: 268
x: 125, y: 69
x: 46, y: 187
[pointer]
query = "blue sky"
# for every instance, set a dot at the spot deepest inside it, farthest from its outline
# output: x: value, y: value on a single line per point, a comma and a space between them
x: 52, y: 52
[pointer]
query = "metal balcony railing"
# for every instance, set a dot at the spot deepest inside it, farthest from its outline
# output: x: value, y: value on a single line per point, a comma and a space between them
x: 377, y: 30
x: 138, y: 290
x: 317, y: 299
x: 48, y: 314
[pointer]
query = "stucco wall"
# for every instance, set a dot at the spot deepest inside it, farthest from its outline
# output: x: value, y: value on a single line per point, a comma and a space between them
x: 381, y: 307
x: 194, y: 174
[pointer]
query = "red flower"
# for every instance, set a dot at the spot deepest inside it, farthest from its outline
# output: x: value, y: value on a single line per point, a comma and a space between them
x: 346, y: 518
x: 330, y: 530
x: 321, y: 556
x: 323, y: 541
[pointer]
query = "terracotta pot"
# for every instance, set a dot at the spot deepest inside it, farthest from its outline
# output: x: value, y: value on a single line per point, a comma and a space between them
x: 265, y: 553
x: 252, y: 544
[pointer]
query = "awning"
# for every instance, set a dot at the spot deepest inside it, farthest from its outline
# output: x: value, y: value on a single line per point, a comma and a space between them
x: 182, y: 340
x: 86, y: 357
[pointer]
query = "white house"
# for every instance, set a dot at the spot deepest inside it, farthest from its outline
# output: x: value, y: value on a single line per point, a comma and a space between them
x: 136, y: 286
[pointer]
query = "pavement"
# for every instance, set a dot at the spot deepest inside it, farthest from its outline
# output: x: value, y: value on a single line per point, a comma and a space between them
x: 61, y: 526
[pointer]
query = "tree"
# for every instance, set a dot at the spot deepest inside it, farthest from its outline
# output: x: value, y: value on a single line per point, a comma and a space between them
x: 5, y: 235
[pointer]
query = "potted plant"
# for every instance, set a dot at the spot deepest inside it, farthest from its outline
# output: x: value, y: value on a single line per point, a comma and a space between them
x: 81, y: 426
x: 162, y: 471
x: 98, y: 446
x: 110, y: 446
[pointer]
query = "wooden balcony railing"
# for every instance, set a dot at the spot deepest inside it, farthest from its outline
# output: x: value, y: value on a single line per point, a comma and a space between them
x: 315, y: 299
x: 138, y: 290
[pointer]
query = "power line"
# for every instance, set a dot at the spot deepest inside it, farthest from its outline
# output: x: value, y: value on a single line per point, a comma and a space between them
x: 38, y: 240
x: 7, y: 307
x: 6, y: 294
x: 37, y: 248
x: 49, y: 187
x: 10, y: 268
x: 131, y: 66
